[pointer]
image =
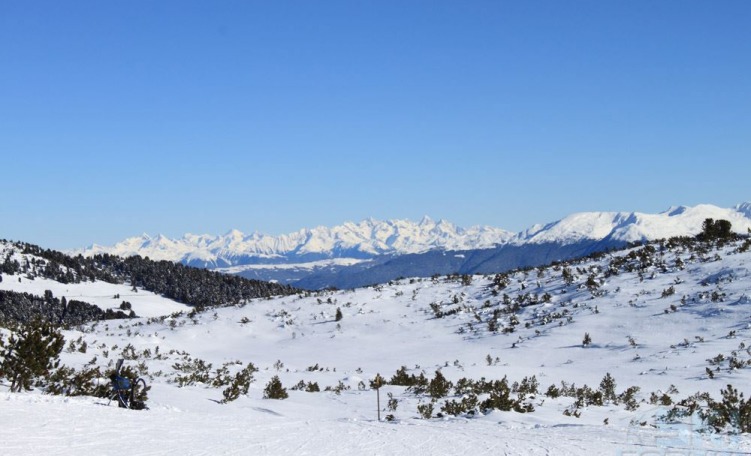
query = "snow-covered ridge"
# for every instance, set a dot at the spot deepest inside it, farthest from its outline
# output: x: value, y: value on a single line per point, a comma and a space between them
x: 634, y: 226
x: 370, y: 238
x: 365, y: 239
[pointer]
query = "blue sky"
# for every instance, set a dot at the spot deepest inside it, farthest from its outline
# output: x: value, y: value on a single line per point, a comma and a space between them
x: 118, y: 118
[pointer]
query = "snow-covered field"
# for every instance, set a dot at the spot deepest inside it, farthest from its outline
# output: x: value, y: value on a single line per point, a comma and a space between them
x: 300, y: 425
x: 642, y: 334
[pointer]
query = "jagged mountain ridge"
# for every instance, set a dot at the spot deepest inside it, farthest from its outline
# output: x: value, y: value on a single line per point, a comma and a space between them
x: 366, y: 239
x: 379, y: 251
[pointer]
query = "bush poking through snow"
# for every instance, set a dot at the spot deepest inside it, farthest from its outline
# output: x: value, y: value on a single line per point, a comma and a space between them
x: 70, y: 382
x: 731, y: 414
x: 193, y: 371
x: 30, y: 353
x: 240, y: 384
x: 425, y: 410
x: 607, y: 388
x: 467, y: 405
x: 274, y: 389
x: 439, y: 387
x: 628, y: 398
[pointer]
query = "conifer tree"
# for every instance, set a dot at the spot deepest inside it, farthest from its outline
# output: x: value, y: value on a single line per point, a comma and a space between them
x: 274, y: 389
x: 31, y: 352
x: 439, y: 386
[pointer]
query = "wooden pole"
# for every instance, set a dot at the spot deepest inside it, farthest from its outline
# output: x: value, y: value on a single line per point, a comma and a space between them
x: 378, y: 399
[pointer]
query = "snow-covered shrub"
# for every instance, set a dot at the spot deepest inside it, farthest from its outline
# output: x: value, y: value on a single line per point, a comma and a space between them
x: 425, y: 410
x: 607, y: 388
x: 500, y: 398
x: 468, y: 404
x: 70, y: 382
x: 553, y: 392
x: 528, y: 386
x: 439, y: 387
x: 731, y: 414
x: 240, y: 384
x: 628, y: 399
x: 192, y: 371
x: 30, y: 353
x: 274, y: 389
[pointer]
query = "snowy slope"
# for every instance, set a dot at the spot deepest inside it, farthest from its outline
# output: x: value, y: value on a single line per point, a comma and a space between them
x: 642, y: 334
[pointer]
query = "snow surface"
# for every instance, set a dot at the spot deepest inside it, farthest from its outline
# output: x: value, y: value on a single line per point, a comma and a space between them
x: 73, y: 426
x: 393, y: 325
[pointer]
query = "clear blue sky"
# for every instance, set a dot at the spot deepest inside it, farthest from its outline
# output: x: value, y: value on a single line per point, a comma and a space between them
x: 118, y: 118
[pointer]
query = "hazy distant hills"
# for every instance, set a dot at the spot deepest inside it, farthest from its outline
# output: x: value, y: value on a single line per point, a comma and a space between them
x: 373, y: 251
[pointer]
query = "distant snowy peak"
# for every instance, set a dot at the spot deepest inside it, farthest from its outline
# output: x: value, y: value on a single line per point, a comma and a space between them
x: 634, y: 226
x: 367, y: 238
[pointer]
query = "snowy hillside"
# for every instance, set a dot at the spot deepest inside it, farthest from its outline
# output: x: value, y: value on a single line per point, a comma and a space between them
x: 101, y: 294
x: 354, y: 255
x: 670, y: 319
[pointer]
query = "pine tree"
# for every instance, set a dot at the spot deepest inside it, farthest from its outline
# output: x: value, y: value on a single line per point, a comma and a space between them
x: 31, y: 352
x: 240, y: 384
x: 568, y: 276
x: 439, y: 386
x: 607, y: 387
x: 274, y: 389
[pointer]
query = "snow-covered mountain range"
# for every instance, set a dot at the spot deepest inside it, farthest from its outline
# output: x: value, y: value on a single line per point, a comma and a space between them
x: 324, y: 256
x: 365, y: 239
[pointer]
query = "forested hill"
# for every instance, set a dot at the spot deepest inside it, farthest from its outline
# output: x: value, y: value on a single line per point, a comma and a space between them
x: 188, y: 285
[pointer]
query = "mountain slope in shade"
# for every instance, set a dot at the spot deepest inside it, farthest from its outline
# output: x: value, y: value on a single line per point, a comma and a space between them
x: 744, y: 208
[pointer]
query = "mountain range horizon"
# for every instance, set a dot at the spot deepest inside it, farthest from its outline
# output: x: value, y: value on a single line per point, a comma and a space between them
x: 356, y: 254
